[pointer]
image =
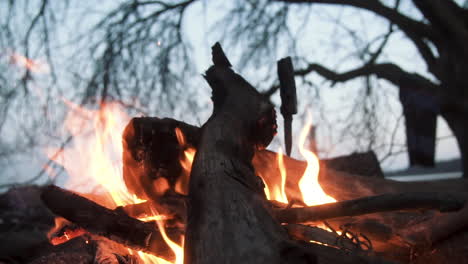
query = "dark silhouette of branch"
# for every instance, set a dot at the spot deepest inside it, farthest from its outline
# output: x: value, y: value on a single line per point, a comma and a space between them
x: 405, y: 23
x: 388, y: 71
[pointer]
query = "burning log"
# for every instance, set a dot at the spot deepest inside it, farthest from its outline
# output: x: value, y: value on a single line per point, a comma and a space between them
x: 143, y: 135
x: 382, y: 228
x: 444, y: 202
x: 228, y: 217
x: 152, y: 152
x: 345, y: 186
x: 113, y: 224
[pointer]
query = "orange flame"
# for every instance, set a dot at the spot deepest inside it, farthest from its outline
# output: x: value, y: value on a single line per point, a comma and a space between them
x: 276, y: 189
x: 181, y: 185
x: 94, y: 161
x: 178, y: 250
x: 312, y: 192
x: 280, y: 193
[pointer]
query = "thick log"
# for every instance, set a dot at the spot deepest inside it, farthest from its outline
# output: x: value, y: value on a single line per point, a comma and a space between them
x: 342, y: 186
x: 444, y: 202
x: 363, y: 164
x: 113, y: 224
x: 228, y: 216
x: 337, y: 183
x: 151, y: 152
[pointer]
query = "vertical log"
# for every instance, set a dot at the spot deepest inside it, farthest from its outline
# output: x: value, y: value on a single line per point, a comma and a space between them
x: 228, y: 220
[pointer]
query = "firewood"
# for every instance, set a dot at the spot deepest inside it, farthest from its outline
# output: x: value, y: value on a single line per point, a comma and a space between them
x: 228, y: 220
x: 113, y: 224
x: 170, y: 204
x: 363, y: 164
x: 151, y: 151
x: 443, y: 202
x: 337, y: 183
x: 428, y: 233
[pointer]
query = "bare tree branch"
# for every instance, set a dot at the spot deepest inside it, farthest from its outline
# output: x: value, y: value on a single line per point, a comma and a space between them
x: 405, y: 23
x: 388, y: 71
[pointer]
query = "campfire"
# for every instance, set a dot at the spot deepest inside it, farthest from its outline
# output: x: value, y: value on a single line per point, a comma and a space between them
x: 152, y: 190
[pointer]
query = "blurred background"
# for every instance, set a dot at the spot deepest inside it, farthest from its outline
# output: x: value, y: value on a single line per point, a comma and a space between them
x: 385, y: 76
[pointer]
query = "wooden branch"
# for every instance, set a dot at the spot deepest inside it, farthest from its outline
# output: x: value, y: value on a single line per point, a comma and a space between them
x: 387, y: 71
x: 388, y: 202
x: 112, y: 224
x: 403, y: 22
x: 430, y: 232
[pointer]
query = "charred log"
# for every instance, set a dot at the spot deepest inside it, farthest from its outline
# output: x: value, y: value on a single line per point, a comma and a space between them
x: 363, y: 164
x: 337, y: 183
x: 228, y: 216
x: 113, y: 224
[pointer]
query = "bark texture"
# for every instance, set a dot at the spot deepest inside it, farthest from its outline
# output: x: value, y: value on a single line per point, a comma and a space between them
x: 228, y: 217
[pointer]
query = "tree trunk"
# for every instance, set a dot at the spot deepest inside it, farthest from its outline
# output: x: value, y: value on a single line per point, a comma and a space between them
x: 457, y: 122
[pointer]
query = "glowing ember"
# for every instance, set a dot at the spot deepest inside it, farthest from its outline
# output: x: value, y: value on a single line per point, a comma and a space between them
x: 61, y: 234
x: 312, y: 192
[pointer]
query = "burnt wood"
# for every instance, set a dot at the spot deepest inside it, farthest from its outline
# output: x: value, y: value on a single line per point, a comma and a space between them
x: 228, y: 216
x: 363, y: 164
x: 381, y: 228
x: 113, y: 224
x: 335, y: 180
